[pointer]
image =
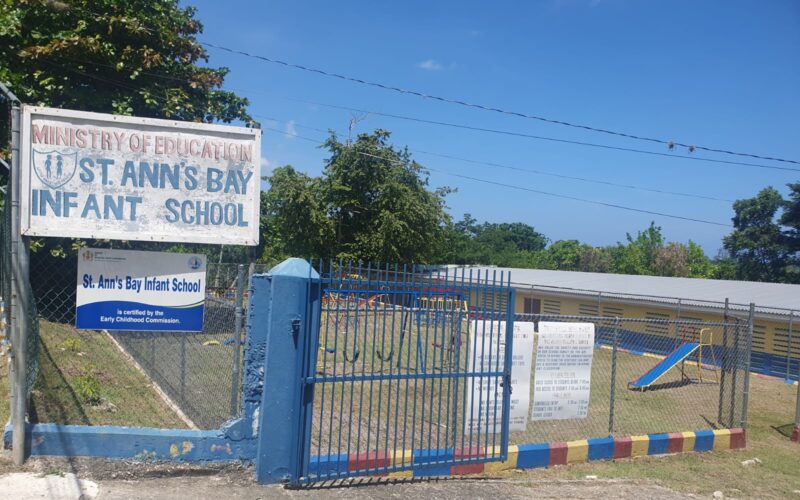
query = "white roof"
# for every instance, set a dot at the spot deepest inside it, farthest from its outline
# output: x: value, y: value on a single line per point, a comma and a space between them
x: 657, y: 288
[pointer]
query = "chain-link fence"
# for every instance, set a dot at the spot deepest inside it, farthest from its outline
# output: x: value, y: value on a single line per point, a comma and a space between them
x: 135, y: 378
x: 30, y: 323
x: 655, y: 376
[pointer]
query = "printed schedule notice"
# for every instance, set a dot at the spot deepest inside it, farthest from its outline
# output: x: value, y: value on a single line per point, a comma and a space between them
x: 563, y: 371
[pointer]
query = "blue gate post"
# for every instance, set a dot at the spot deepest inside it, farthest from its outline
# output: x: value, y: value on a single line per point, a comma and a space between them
x: 284, y: 303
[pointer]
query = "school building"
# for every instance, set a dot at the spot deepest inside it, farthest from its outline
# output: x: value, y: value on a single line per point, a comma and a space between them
x: 776, y: 326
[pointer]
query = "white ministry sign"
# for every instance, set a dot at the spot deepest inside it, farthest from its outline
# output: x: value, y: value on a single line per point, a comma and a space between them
x: 92, y: 175
x: 132, y: 290
x: 485, y: 395
x: 563, y: 374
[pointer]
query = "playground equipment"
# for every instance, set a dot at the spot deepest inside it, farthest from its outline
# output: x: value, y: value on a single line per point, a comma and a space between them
x: 680, y: 356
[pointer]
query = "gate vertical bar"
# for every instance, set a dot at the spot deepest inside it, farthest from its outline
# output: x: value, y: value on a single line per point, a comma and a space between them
x: 237, y: 338
x: 613, y: 396
x: 509, y: 353
x: 749, y: 354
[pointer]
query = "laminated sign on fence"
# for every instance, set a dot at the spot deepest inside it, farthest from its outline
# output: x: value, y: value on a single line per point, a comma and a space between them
x: 484, y: 395
x: 132, y: 290
x: 92, y: 175
x: 563, y: 374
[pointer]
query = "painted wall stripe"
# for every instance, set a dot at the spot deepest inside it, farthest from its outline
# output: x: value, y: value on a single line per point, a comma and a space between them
x: 640, y: 445
x: 533, y: 455
x: 675, y: 442
x: 558, y: 454
x: 703, y: 441
x: 688, y: 441
x: 658, y: 444
x: 601, y: 448
x: 509, y: 464
x: 738, y: 438
x: 577, y: 451
x: 622, y: 447
x: 722, y: 439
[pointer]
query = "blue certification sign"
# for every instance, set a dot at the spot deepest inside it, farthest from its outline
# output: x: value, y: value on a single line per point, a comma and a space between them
x: 144, y: 291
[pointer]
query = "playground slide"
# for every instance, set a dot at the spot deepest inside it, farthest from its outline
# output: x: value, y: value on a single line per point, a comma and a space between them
x: 655, y: 373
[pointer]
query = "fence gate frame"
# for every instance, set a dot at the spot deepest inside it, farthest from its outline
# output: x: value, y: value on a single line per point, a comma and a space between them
x: 293, y: 294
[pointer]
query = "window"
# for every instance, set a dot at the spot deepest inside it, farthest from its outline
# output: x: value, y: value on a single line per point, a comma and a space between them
x: 658, y: 328
x: 551, y: 306
x: 587, y: 309
x: 532, y: 306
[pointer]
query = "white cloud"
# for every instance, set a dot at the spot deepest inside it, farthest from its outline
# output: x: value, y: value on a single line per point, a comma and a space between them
x: 266, y: 166
x: 291, y: 131
x: 430, y: 65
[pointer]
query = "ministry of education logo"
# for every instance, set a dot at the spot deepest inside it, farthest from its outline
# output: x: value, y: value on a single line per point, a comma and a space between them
x: 53, y: 168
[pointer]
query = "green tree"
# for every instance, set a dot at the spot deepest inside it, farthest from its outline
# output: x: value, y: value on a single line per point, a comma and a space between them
x: 757, y: 244
x: 130, y: 57
x: 372, y: 203
x: 638, y: 256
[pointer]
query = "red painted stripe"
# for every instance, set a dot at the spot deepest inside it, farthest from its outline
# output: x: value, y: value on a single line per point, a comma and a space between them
x: 558, y: 454
x: 622, y: 447
x: 370, y: 460
x: 674, y: 442
x: 459, y: 470
x: 738, y: 438
x: 472, y: 452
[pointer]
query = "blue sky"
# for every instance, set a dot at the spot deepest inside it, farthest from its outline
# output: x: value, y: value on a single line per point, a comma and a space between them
x: 721, y: 74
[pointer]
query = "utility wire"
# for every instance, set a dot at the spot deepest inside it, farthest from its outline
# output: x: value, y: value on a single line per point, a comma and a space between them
x: 539, y: 137
x: 529, y: 170
x: 460, y: 102
x: 521, y: 188
x: 466, y: 127
x: 423, y: 95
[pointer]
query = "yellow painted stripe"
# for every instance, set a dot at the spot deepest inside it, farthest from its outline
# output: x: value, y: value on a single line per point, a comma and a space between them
x: 722, y: 439
x: 688, y: 441
x: 639, y: 445
x: 402, y: 457
x: 577, y: 451
x: 509, y: 464
x: 402, y: 473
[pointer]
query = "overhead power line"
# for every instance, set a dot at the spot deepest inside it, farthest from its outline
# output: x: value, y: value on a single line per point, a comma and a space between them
x: 690, y: 147
x: 522, y: 188
x: 529, y: 170
x: 539, y: 137
x: 462, y: 126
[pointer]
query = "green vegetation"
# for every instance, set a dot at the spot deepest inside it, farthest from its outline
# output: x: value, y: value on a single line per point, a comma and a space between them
x: 93, y: 384
x: 771, y: 412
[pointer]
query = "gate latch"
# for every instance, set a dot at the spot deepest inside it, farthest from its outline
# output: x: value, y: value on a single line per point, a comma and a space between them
x: 507, y: 380
x: 296, y: 327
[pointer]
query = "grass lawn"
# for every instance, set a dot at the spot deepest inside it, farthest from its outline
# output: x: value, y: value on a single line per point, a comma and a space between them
x: 772, y: 406
x: 73, y: 364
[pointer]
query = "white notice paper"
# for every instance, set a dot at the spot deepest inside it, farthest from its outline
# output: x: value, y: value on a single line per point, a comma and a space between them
x: 485, y: 394
x: 563, y: 371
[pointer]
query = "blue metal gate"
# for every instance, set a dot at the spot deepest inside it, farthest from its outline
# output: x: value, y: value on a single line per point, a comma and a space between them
x: 407, y: 372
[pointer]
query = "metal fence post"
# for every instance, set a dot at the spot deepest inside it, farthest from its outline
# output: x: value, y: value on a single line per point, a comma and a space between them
x: 19, y: 292
x: 725, y: 361
x: 796, y: 432
x: 280, y: 304
x: 746, y: 392
x: 237, y: 338
x: 789, y: 347
x: 612, y: 399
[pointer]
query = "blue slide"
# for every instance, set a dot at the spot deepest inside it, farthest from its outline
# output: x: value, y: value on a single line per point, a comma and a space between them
x: 655, y: 373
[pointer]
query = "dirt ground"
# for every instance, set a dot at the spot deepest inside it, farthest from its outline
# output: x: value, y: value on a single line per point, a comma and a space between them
x: 107, y: 479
